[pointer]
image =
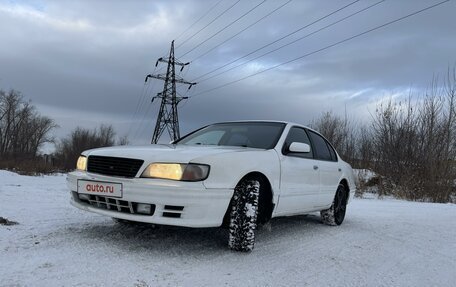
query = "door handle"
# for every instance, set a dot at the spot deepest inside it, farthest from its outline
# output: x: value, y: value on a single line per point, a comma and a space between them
x: 315, y: 167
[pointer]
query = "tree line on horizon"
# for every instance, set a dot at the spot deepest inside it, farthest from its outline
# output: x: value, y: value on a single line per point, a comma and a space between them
x: 410, y: 145
x: 23, y: 131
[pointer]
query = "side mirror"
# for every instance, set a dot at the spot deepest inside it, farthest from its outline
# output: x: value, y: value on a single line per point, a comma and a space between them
x: 299, y: 147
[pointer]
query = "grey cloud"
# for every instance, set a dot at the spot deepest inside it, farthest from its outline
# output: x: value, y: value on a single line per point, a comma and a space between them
x: 83, y: 62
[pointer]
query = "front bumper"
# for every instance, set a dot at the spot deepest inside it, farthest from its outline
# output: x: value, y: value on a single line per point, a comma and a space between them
x: 197, y: 205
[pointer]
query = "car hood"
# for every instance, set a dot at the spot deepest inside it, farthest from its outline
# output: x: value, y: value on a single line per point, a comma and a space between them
x: 165, y: 153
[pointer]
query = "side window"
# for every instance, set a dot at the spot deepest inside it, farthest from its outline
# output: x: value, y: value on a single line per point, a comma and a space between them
x: 332, y: 152
x: 321, y: 148
x: 297, y: 135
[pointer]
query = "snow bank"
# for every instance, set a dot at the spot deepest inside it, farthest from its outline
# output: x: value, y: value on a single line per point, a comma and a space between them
x: 364, y: 174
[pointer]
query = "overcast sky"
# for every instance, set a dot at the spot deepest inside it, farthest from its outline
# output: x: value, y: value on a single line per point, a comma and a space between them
x: 83, y: 63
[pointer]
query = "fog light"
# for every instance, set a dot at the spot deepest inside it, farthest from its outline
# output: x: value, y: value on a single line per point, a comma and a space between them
x: 143, y: 208
x: 83, y: 196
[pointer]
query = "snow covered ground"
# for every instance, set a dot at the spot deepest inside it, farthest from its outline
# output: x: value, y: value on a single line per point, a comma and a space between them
x: 381, y: 243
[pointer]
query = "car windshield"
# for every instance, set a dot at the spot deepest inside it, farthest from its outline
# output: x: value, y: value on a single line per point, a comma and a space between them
x: 263, y: 135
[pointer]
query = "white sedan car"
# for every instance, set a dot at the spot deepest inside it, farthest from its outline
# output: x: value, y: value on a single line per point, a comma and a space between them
x: 234, y: 174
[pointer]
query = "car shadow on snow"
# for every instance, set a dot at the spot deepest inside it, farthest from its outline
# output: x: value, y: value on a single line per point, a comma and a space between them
x: 171, y: 239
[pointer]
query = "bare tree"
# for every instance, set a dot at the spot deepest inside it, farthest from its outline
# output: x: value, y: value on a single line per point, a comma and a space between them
x: 22, y: 129
x: 340, y: 132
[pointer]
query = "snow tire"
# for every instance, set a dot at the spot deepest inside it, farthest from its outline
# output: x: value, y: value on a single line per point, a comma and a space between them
x: 243, y: 215
x: 336, y: 213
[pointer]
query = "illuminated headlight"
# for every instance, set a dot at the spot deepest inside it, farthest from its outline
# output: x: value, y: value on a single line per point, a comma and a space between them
x: 82, y: 163
x: 177, y: 171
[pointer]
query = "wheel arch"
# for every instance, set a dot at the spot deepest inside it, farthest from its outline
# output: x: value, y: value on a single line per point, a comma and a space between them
x: 266, y: 204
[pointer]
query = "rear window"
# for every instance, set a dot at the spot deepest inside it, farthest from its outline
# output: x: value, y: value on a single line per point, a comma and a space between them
x: 321, y: 147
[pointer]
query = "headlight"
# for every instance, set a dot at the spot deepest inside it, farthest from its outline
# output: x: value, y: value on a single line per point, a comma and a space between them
x: 82, y: 163
x: 177, y: 171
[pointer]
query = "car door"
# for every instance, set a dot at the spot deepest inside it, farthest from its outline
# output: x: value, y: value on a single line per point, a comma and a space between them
x: 328, y: 166
x: 300, y: 179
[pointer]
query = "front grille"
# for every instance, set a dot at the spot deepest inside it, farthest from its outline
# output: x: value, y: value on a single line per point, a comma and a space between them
x: 114, y: 166
x: 114, y: 204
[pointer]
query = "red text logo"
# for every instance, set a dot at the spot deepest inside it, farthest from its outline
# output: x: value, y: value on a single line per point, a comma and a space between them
x: 99, y: 188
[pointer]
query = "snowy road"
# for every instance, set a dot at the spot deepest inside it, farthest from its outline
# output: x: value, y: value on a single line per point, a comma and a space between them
x: 381, y: 243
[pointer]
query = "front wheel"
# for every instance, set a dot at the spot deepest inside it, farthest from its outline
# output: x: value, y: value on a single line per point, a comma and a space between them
x: 243, y: 215
x: 336, y: 213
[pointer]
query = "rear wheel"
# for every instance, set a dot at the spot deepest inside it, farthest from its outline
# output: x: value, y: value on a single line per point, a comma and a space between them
x: 336, y: 213
x: 243, y: 215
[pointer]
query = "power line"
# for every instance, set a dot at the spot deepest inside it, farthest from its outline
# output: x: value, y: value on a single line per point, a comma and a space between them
x: 238, y: 33
x: 140, y: 125
x: 199, y: 19
x: 294, y: 41
x: 186, y: 95
x: 218, y: 16
x: 168, y: 118
x: 277, y: 40
x: 144, y: 90
x: 224, y: 28
x: 136, y: 109
x: 324, y: 48
x: 148, y: 94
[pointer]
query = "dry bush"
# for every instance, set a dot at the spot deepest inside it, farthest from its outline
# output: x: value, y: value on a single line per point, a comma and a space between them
x: 410, y: 145
x: 69, y: 149
x: 414, y: 145
x: 32, y: 166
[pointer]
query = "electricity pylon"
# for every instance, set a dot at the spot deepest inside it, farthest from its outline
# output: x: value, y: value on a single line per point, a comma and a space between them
x: 167, y: 117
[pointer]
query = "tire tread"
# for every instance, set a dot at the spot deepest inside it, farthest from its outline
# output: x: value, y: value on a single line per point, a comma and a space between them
x: 243, y: 215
